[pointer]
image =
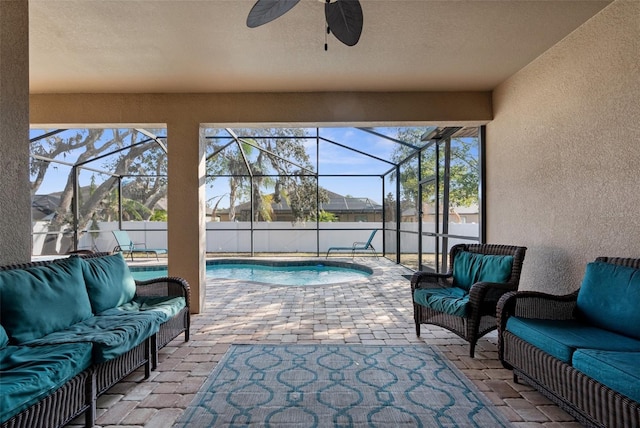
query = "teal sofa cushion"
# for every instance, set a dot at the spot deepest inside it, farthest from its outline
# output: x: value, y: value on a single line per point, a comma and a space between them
x: 619, y: 371
x: 610, y: 298
x: 39, y: 300
x: 561, y: 338
x: 469, y: 268
x: 31, y: 374
x: 4, y: 339
x: 111, y: 334
x: 453, y: 300
x: 165, y: 307
x: 109, y: 281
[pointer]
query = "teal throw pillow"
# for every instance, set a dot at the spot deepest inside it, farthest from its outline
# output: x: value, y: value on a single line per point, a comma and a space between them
x: 469, y: 268
x: 609, y: 298
x: 109, y: 281
x: 39, y: 300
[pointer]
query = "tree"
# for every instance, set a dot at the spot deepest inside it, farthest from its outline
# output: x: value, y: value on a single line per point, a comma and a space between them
x: 390, y: 207
x: 272, y: 166
x: 464, y: 170
x: 325, y: 216
x: 121, y: 152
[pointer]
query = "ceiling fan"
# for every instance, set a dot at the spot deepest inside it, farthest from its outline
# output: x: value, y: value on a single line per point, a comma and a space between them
x: 344, y: 17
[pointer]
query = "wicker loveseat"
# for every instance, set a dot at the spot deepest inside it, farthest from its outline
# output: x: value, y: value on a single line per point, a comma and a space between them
x: 581, y: 350
x: 71, y: 328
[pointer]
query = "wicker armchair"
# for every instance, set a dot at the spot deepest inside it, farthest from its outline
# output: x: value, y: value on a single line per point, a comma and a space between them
x: 479, y: 303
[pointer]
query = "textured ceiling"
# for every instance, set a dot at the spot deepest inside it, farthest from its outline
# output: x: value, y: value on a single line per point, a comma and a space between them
x: 79, y: 46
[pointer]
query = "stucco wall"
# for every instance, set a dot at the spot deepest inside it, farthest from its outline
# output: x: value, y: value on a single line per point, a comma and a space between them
x: 563, y: 152
x: 15, y: 202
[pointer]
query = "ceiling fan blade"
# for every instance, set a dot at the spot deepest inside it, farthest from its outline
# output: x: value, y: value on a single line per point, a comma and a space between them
x: 344, y: 18
x: 267, y: 10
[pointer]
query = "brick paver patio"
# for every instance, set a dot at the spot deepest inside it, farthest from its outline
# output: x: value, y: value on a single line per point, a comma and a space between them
x: 373, y: 311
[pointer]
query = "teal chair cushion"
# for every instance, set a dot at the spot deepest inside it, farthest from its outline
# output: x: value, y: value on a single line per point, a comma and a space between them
x: 109, y: 282
x: 111, y: 334
x: 561, y: 338
x: 610, y: 298
x: 165, y: 306
x: 4, y: 339
x: 469, y: 268
x: 619, y: 371
x: 453, y: 300
x: 31, y: 374
x: 39, y: 300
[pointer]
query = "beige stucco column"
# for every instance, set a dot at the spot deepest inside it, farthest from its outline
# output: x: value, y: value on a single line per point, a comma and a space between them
x: 15, y: 196
x: 186, y: 194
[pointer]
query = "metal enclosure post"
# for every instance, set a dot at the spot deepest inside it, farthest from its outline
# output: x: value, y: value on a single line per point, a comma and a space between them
x: 483, y: 180
x: 398, y: 214
x: 445, y: 202
x: 75, y: 207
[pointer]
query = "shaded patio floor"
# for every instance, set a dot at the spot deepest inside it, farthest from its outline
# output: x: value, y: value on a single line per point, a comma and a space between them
x: 373, y: 311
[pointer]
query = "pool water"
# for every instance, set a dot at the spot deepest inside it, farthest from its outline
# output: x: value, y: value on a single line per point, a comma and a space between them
x: 302, y: 274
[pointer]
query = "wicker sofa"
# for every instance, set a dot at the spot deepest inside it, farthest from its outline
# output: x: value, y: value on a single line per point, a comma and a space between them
x: 580, y: 350
x: 72, y: 328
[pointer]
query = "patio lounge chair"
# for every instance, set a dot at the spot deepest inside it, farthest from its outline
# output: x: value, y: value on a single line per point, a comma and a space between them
x: 357, y: 246
x: 126, y: 245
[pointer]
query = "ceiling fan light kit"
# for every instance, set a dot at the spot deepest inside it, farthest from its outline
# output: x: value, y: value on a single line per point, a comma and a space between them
x: 344, y: 17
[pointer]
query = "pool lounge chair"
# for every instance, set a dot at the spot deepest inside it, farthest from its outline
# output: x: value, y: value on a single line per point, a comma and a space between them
x: 357, y: 246
x: 126, y: 245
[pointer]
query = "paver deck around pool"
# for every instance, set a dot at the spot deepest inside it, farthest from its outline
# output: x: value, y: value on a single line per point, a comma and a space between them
x: 377, y: 310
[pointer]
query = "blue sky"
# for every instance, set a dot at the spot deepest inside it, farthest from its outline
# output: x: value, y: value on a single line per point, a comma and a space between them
x: 333, y: 160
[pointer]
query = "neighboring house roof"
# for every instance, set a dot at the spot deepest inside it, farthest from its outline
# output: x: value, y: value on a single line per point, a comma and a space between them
x: 340, y: 203
x: 44, y: 206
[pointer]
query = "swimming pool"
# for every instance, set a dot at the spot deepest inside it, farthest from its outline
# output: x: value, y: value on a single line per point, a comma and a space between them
x: 294, y: 273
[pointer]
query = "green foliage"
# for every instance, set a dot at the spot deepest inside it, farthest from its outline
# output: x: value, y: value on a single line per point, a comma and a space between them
x: 124, y: 152
x: 270, y: 165
x: 325, y: 216
x: 134, y: 211
x: 159, y: 215
x: 464, y: 169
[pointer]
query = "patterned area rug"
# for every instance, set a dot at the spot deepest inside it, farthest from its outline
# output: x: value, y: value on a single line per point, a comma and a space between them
x: 338, y: 386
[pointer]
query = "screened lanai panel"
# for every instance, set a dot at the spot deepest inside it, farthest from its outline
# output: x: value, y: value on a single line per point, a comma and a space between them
x: 280, y: 156
x: 348, y: 151
x: 350, y: 199
x: 390, y: 217
x: 78, y: 171
x: 51, y: 216
x: 230, y: 238
x: 227, y: 157
x: 298, y: 240
x: 409, y: 195
x: 266, y: 151
x: 415, y: 136
x: 465, y: 186
x: 226, y: 196
x: 390, y: 244
x: 390, y: 207
x: 98, y: 210
x: 409, y: 249
x: 265, y: 182
x: 450, y: 194
x: 280, y: 199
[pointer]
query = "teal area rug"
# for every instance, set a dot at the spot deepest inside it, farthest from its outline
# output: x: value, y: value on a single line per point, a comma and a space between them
x: 338, y: 386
